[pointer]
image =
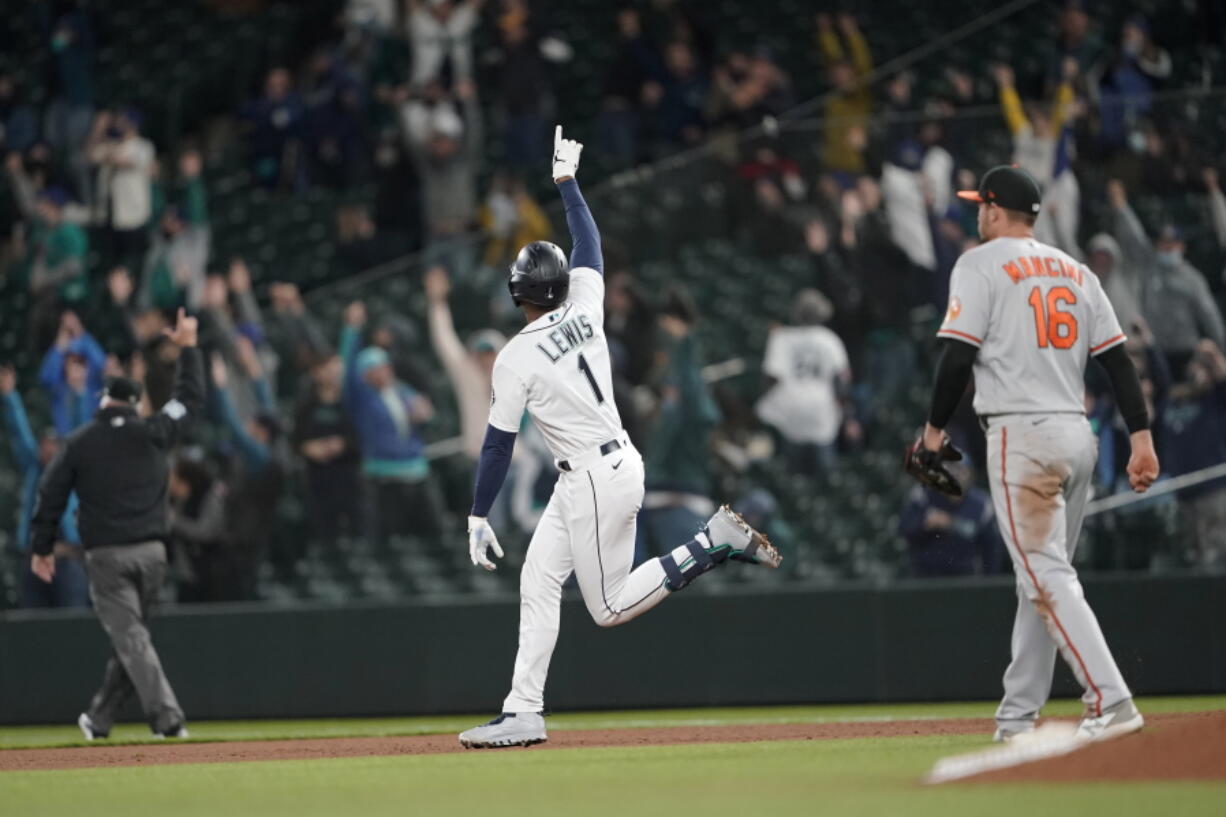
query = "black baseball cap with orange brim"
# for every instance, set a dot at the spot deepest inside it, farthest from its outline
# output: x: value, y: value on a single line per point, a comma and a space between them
x: 1009, y: 187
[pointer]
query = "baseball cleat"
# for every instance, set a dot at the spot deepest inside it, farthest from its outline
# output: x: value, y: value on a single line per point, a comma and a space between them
x: 1014, y: 730
x: 179, y: 731
x: 727, y: 529
x: 88, y: 729
x: 508, y: 729
x: 1120, y: 719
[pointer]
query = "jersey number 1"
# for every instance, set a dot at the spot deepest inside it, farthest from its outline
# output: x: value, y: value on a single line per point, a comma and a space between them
x: 591, y: 378
x: 1054, y: 326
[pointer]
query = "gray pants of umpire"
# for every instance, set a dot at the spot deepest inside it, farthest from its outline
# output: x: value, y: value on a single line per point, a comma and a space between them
x: 124, y: 581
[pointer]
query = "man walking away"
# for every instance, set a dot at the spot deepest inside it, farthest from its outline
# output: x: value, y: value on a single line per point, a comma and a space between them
x: 118, y: 467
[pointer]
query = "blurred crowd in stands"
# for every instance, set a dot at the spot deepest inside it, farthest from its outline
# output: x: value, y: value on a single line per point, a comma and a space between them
x: 105, y: 235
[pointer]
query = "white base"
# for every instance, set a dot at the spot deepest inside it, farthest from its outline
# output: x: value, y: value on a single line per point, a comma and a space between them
x: 1049, y: 740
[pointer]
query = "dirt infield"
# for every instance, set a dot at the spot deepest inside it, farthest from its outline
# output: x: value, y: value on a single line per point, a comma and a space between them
x: 154, y: 754
x: 1190, y: 747
x: 1173, y: 747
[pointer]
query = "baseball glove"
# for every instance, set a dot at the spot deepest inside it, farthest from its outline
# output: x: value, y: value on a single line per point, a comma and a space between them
x: 929, y: 466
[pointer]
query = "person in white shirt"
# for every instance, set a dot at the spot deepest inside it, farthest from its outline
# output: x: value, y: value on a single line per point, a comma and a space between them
x: 811, y: 381
x: 124, y: 193
x: 441, y: 31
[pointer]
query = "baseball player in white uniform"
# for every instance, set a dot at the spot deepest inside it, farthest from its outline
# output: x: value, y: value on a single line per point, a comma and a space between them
x: 558, y: 370
x: 1026, y: 318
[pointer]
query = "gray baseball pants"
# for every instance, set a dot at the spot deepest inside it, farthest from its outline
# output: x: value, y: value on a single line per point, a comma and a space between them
x: 1039, y: 468
x: 124, y: 581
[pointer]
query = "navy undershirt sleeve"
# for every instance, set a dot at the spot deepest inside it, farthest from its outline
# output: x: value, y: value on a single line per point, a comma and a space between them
x: 492, y: 469
x: 585, y: 238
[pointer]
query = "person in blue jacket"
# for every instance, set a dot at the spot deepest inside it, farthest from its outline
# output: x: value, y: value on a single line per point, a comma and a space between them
x: 70, y: 587
x: 72, y: 373
x: 388, y: 415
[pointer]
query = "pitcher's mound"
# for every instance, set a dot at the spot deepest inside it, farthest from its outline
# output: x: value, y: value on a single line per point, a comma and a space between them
x: 1187, y: 748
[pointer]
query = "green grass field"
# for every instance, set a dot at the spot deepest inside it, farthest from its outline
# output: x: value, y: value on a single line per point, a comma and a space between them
x: 839, y: 777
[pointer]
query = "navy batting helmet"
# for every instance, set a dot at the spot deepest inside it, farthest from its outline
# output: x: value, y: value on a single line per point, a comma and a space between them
x: 540, y: 275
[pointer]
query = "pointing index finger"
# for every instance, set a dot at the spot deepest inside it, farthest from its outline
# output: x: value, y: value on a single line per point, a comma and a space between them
x: 557, y: 136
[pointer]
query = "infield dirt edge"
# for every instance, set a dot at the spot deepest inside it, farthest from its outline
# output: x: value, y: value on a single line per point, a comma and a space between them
x: 157, y: 754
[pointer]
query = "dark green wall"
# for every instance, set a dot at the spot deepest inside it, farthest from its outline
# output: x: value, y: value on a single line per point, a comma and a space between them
x: 915, y: 641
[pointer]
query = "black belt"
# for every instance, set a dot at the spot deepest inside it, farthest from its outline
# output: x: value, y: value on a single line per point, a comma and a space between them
x: 607, y: 448
x: 984, y: 418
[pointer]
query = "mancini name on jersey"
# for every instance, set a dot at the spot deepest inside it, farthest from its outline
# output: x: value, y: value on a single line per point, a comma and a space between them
x: 1036, y: 266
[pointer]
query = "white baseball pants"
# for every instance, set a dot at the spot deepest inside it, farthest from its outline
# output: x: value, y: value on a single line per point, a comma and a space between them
x: 588, y: 528
x: 1039, y: 468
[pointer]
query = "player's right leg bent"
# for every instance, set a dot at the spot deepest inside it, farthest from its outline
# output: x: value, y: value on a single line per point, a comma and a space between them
x: 603, y: 504
x: 1038, y: 467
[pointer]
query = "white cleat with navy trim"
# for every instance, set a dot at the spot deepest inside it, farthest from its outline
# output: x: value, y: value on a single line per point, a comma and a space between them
x: 508, y: 729
x: 727, y: 529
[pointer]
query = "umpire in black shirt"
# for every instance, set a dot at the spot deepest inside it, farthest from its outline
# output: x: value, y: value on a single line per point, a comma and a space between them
x: 118, y: 465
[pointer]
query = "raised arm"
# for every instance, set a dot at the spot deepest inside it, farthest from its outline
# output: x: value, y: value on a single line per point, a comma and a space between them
x: 254, y: 452
x: 447, y: 345
x: 1138, y: 250
x: 1010, y: 102
x: 187, y: 400
x: 21, y: 438
x: 1062, y: 105
x: 585, y: 238
x: 351, y: 336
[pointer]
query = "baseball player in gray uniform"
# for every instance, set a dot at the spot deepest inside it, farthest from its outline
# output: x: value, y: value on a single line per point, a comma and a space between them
x: 558, y: 370
x: 1025, y: 318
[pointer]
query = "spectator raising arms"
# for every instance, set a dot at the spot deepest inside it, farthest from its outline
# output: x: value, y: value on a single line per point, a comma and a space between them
x: 469, y: 370
x: 1175, y: 298
x: 387, y: 414
x: 72, y: 373
x: 448, y: 153
x: 69, y: 586
x: 256, y: 477
x: 1039, y: 147
x: 56, y: 264
x: 848, y: 63
x: 175, y: 265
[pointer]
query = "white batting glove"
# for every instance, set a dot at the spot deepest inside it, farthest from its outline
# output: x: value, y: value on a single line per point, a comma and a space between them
x: 565, y: 155
x: 480, y: 537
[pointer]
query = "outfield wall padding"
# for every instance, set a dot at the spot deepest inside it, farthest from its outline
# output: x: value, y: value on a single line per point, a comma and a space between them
x: 911, y: 641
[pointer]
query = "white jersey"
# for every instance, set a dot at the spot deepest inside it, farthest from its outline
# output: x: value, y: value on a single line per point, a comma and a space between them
x: 806, y: 362
x: 558, y: 369
x: 1036, y: 315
